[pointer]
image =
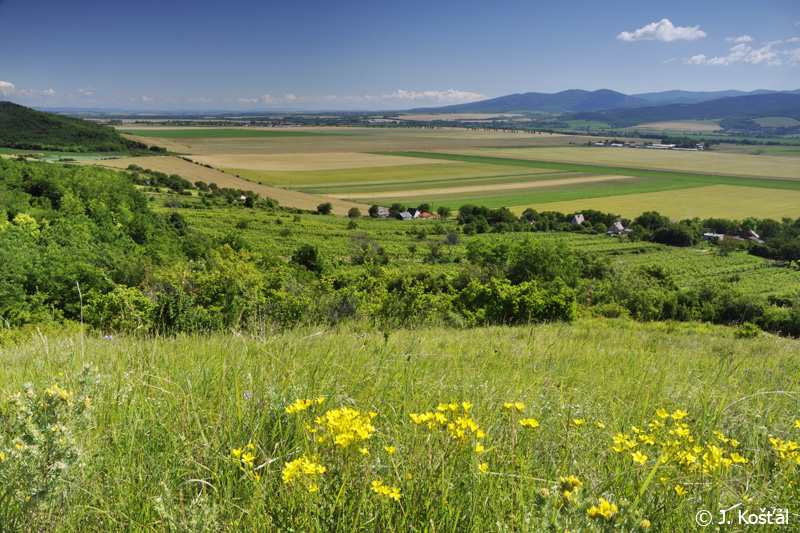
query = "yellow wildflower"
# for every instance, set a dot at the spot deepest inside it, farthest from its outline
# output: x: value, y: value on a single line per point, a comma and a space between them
x: 570, y: 483
x: 606, y: 510
x: 679, y: 414
x: 248, y: 458
x: 662, y: 413
x: 467, y: 406
x: 301, y: 404
x: 578, y: 421
x: 529, y: 423
x: 483, y: 467
x: 390, y: 449
x: 680, y: 490
x: 599, y: 424
x: 644, y: 523
x: 364, y: 451
x: 639, y: 457
x: 479, y: 447
x: 313, y: 488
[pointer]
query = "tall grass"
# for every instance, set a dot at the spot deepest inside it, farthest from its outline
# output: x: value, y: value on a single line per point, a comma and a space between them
x: 192, y: 433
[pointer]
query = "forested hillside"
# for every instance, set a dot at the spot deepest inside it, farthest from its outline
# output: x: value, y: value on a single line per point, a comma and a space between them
x: 27, y: 129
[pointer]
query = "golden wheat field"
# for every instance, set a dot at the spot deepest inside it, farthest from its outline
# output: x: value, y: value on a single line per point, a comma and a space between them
x: 701, y: 202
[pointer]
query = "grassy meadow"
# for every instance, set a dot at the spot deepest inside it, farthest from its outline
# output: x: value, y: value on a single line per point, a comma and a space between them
x: 528, y: 428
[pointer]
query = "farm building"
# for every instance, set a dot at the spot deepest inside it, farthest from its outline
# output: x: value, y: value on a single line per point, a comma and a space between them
x: 577, y: 219
x: 405, y: 215
x: 617, y: 229
x: 383, y: 212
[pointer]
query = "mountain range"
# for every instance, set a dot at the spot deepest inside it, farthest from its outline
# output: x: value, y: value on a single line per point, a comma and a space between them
x: 576, y: 101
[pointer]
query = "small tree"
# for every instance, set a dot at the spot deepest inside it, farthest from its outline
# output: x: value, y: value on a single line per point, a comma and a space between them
x: 354, y: 212
x: 374, y: 211
x: 325, y: 209
x: 444, y: 211
x: 310, y: 257
x: 395, y: 209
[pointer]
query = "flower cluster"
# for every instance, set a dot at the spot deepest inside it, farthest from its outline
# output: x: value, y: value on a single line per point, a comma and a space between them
x: 678, y: 444
x: 788, y: 450
x: 460, y: 427
x: 569, y: 488
x: 379, y: 487
x: 345, y: 426
x: 304, y: 470
x: 605, y: 510
x: 301, y: 404
x: 245, y: 459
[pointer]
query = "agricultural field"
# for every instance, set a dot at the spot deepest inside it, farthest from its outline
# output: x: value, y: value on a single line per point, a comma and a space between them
x: 195, y: 172
x: 701, y: 202
x: 452, y: 166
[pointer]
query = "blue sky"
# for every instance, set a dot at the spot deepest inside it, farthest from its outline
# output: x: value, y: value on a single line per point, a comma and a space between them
x: 375, y: 55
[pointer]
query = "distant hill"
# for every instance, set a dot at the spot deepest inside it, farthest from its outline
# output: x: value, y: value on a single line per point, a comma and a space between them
x: 563, y: 102
x: 694, y: 97
x: 28, y: 129
x: 627, y: 106
x: 750, y: 106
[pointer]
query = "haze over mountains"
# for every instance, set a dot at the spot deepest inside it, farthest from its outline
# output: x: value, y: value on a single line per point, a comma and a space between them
x: 577, y: 100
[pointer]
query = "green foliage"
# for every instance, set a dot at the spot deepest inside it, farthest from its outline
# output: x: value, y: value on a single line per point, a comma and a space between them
x: 43, y: 442
x: 26, y: 129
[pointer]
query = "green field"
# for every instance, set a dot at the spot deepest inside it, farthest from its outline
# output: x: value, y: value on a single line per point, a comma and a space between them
x: 353, y: 178
x: 218, y: 133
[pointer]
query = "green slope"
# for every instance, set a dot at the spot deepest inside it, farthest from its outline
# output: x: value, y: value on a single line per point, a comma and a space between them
x: 28, y: 129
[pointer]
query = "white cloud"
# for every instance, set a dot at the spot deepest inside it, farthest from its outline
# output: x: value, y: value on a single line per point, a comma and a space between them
x: 668, y: 61
x: 399, y: 97
x: 271, y: 100
x: 448, y: 96
x: 747, y: 54
x: 7, y: 88
x: 696, y: 60
x: 794, y: 57
x: 146, y: 99
x: 742, y: 39
x: 89, y: 91
x: 663, y: 31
